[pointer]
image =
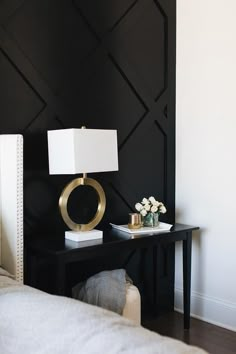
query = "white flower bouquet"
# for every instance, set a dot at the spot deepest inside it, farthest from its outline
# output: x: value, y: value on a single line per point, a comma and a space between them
x: 150, y: 209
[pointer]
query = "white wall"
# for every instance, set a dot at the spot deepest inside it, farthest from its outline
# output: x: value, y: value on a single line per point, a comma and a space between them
x: 205, y: 154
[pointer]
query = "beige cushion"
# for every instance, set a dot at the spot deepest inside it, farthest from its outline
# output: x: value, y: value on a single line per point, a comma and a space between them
x: 5, y: 273
x: 132, y: 309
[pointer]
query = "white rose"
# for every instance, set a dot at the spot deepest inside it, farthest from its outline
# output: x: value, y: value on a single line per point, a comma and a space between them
x: 153, y: 209
x: 143, y: 212
x: 138, y: 206
x: 156, y: 203
x: 163, y: 209
x: 145, y: 201
x: 152, y: 200
x: 147, y: 207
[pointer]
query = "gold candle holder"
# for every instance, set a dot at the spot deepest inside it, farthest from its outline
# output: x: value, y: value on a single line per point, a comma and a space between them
x: 135, y: 221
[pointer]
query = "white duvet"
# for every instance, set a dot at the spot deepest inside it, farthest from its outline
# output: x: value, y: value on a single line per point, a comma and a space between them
x: 33, y: 322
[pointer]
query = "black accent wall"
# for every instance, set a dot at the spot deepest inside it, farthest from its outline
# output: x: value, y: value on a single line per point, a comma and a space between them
x: 103, y: 64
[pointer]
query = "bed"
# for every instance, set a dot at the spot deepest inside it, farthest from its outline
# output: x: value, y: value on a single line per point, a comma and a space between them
x: 33, y: 322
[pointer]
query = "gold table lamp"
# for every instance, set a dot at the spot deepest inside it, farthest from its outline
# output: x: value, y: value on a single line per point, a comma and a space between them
x: 73, y: 151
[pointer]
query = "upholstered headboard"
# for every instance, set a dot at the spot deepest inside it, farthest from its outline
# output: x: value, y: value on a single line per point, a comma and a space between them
x: 11, y: 204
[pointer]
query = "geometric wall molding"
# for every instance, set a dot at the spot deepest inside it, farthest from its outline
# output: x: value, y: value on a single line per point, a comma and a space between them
x: 107, y: 65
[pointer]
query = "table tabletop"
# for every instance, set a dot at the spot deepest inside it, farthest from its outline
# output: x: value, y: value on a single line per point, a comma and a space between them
x: 49, y: 243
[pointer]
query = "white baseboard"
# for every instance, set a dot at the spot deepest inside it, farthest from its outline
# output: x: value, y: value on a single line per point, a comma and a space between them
x: 209, y: 309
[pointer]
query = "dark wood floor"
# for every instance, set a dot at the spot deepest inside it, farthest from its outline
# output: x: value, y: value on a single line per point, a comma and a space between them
x: 215, y: 340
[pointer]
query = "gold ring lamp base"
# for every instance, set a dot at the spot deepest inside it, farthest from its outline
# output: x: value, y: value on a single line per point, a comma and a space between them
x: 83, y: 232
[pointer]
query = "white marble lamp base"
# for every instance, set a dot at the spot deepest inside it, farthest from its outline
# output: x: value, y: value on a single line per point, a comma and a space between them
x: 80, y: 236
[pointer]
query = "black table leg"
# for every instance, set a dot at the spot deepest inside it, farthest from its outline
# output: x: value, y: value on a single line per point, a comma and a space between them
x: 187, y: 253
x: 155, y: 279
x: 156, y: 276
x: 32, y: 270
x: 60, y: 278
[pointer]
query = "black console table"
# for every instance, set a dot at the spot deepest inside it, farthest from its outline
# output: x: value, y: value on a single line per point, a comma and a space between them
x: 62, y: 252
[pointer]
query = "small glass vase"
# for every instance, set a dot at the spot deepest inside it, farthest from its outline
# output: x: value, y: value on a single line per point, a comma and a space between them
x: 151, y: 220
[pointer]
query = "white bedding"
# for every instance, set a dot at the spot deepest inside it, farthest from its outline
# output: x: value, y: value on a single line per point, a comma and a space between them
x: 33, y: 322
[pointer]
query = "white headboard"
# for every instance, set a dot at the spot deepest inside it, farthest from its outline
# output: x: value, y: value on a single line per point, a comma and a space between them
x: 11, y: 204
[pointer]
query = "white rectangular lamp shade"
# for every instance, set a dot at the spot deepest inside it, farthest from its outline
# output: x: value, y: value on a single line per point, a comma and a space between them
x: 74, y: 151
